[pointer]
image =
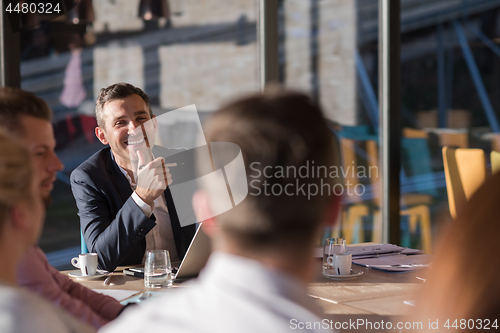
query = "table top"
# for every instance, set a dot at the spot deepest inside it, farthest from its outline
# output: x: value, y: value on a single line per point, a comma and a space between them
x: 373, y: 293
x: 117, y: 280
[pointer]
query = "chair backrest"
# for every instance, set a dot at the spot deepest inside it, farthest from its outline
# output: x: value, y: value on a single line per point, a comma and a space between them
x: 374, y: 170
x: 417, y: 163
x: 495, y: 161
x: 417, y: 156
x: 465, y: 171
x: 349, y: 163
x: 459, y: 140
x: 412, y: 133
x: 355, y: 132
x: 495, y: 142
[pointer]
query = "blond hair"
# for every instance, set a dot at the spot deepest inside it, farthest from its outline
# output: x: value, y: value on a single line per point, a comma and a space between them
x: 15, y: 174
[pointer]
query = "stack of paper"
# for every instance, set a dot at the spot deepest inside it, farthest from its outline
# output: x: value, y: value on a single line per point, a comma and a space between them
x: 389, y: 257
x: 117, y: 294
x: 378, y: 250
x: 396, y: 262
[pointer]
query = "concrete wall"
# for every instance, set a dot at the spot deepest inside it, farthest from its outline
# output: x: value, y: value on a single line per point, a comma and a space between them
x: 206, y: 74
x: 118, y: 63
x: 337, y: 65
x: 121, y: 15
x: 117, y: 16
x: 336, y: 54
x: 297, y: 44
x: 199, y: 12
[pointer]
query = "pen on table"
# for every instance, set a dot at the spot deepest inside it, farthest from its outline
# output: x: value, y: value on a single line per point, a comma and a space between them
x: 108, y: 279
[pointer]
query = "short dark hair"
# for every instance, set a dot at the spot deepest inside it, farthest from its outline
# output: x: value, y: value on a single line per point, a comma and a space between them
x: 275, y: 129
x: 117, y: 91
x: 16, y: 103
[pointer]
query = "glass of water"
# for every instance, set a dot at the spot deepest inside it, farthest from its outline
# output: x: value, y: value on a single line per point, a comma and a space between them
x: 157, y: 269
x: 332, y: 247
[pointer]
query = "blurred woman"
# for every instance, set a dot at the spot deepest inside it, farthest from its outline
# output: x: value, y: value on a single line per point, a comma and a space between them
x: 21, y: 219
x: 462, y: 291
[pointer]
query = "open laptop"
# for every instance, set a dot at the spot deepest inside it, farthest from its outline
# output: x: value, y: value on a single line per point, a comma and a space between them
x: 195, y: 259
x: 196, y: 256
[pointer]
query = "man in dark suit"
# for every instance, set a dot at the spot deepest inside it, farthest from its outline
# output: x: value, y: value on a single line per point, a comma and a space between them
x: 124, y: 204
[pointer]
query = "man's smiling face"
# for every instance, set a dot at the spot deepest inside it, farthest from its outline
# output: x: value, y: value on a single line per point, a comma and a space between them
x: 123, y: 132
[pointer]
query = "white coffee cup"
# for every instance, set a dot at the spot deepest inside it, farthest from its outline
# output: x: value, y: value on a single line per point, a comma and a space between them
x: 343, y: 263
x: 332, y: 246
x: 87, y: 262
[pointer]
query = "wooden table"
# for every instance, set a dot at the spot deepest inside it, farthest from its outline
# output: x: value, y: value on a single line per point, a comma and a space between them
x: 375, y: 292
x: 118, y: 280
x: 374, y: 297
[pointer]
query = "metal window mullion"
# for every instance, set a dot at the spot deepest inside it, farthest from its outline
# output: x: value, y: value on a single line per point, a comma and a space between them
x: 441, y: 75
x: 268, y: 42
x: 390, y: 104
x: 10, y: 53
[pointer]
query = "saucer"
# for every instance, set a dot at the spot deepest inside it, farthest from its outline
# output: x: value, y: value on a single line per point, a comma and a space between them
x: 78, y: 274
x: 344, y: 277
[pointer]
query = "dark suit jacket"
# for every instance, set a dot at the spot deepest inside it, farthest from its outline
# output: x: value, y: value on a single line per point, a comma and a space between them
x: 113, y: 225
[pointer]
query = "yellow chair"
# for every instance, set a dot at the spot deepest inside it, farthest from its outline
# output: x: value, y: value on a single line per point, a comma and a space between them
x: 465, y: 171
x: 416, y: 206
x: 413, y: 133
x: 413, y: 205
x: 495, y: 161
x: 495, y: 141
x: 459, y: 140
x: 356, y: 208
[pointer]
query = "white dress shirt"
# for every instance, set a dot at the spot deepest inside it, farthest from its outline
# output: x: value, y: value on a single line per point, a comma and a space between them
x: 232, y: 294
x: 161, y: 237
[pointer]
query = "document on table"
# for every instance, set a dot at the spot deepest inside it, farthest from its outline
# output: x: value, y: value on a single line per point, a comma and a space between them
x: 372, y: 250
x: 117, y: 294
x: 396, y: 262
x: 378, y: 250
x: 136, y: 298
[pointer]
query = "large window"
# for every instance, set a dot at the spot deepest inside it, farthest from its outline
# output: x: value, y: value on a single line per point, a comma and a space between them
x: 449, y: 79
x: 202, y: 53
x: 206, y: 52
x: 449, y: 69
x: 329, y: 49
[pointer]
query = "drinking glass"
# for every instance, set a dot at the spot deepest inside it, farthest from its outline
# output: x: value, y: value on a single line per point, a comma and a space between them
x: 332, y: 247
x: 157, y: 269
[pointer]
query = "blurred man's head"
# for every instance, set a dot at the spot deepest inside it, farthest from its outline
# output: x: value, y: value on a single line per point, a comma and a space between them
x: 21, y: 205
x: 120, y: 111
x: 28, y: 118
x: 278, y: 133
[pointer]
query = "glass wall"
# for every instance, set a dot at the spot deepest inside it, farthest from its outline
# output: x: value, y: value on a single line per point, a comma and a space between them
x: 449, y: 70
x: 449, y: 91
x: 202, y: 53
x: 329, y: 49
